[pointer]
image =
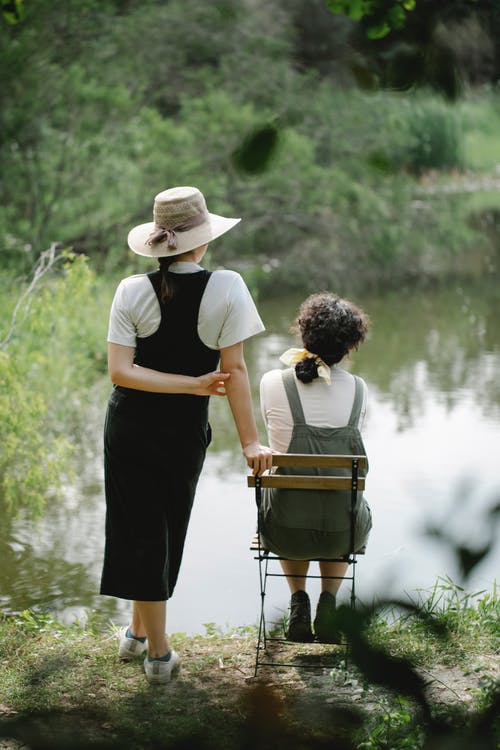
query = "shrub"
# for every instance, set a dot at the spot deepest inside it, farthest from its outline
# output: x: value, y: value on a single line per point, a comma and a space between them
x: 431, y: 136
x: 47, y: 368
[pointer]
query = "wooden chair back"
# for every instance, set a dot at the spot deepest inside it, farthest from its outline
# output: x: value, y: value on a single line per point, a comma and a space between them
x: 352, y: 482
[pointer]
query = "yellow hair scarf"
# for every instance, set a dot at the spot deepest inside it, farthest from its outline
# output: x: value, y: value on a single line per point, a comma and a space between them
x: 293, y: 355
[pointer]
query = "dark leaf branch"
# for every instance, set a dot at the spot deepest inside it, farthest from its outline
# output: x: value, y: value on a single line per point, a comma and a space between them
x: 380, y: 16
x: 12, y: 10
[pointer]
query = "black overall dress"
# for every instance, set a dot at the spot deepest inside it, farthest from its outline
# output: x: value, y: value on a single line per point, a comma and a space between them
x: 154, y: 449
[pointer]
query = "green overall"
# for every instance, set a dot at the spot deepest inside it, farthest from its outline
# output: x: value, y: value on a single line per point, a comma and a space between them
x: 311, y: 524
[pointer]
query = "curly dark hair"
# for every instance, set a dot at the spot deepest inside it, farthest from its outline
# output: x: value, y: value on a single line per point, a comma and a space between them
x: 329, y: 327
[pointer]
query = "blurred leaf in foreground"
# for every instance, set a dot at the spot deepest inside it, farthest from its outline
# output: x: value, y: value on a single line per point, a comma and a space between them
x: 256, y: 151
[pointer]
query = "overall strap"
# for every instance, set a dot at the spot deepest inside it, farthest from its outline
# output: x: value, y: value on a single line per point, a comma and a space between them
x: 358, y: 402
x: 292, y: 395
x: 202, y: 277
x: 155, y: 279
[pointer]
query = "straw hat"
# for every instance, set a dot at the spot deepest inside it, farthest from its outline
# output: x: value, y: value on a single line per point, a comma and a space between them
x: 181, y: 223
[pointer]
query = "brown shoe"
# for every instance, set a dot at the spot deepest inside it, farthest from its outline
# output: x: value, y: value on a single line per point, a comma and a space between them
x: 324, y: 628
x: 299, y: 625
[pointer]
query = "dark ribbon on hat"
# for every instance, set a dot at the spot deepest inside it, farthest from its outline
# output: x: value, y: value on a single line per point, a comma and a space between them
x: 160, y: 234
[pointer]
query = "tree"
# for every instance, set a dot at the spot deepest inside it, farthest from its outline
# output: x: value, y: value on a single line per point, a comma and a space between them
x: 439, y: 43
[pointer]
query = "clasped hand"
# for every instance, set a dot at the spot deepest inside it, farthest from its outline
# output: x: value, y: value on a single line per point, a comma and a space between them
x: 212, y: 383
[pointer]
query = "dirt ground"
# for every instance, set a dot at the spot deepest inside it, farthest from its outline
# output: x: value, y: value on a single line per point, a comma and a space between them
x: 223, y: 669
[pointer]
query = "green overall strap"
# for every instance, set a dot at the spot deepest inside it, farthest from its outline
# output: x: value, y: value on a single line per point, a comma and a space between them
x: 292, y: 395
x: 358, y: 402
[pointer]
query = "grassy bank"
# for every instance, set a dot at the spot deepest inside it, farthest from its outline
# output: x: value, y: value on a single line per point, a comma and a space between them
x: 64, y: 686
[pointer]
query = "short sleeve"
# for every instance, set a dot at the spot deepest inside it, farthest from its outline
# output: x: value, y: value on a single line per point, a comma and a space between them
x: 227, y: 312
x: 242, y: 319
x: 364, y: 405
x: 121, y: 327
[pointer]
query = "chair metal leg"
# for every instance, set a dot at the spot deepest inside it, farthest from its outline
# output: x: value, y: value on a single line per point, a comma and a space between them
x: 353, y: 582
x: 262, y: 638
x: 353, y: 607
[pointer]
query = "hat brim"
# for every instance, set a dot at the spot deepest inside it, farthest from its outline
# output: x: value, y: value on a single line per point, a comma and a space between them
x: 193, y: 238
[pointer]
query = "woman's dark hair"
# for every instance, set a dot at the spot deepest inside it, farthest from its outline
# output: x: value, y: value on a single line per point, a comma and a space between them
x: 167, y: 290
x: 329, y: 327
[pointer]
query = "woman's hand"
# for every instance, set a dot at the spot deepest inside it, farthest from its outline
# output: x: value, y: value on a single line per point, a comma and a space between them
x: 212, y: 384
x: 259, y: 458
x: 123, y: 371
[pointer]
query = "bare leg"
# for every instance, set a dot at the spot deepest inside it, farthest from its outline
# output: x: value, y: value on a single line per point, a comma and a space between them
x: 136, y: 626
x: 338, y: 570
x: 150, y: 619
x: 295, y: 571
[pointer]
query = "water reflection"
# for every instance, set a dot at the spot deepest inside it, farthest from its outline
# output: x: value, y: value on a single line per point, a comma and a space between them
x: 433, y: 424
x: 443, y: 341
x: 52, y: 566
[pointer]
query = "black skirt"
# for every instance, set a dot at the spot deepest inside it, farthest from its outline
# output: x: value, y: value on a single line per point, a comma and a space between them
x: 154, y: 449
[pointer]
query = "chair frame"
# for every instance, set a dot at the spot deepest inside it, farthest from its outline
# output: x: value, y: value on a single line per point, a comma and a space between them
x: 353, y: 483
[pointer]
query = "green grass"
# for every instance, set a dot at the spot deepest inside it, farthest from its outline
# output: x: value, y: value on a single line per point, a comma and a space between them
x: 481, y: 120
x: 62, y: 686
x: 446, y: 625
x: 72, y: 680
x: 482, y: 200
x: 482, y: 150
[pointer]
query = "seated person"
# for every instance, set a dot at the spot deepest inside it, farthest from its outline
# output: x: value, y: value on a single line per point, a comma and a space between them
x: 315, y: 406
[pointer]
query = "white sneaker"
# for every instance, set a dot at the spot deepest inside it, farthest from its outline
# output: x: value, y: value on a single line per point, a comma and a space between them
x: 159, y: 672
x: 129, y: 648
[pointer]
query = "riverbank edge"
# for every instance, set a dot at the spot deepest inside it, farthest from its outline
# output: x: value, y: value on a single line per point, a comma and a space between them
x: 64, y: 686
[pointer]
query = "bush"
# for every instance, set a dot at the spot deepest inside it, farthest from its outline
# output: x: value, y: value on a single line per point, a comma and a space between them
x: 432, y: 136
x: 32, y: 458
x: 47, y: 369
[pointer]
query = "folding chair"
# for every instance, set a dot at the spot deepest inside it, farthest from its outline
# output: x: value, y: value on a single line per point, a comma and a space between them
x: 353, y: 469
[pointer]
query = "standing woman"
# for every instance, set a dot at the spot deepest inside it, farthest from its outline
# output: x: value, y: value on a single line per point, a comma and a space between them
x: 315, y: 406
x: 168, y: 329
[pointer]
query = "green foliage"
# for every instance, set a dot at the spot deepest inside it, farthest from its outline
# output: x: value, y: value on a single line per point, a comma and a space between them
x: 55, y: 353
x: 31, y: 460
x: 393, y: 725
x: 441, y: 44
x: 434, y: 138
x: 386, y: 647
x: 88, y: 136
x: 445, y: 624
x: 72, y: 673
x: 35, y: 623
x: 480, y: 116
x: 416, y: 134
x: 381, y: 16
x: 13, y: 10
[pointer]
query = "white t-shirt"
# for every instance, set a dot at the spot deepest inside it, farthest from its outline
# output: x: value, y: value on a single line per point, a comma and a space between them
x: 227, y: 312
x: 323, y: 405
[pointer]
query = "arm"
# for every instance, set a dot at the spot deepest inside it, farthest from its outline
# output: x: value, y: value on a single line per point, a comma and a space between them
x: 124, y: 372
x: 258, y: 457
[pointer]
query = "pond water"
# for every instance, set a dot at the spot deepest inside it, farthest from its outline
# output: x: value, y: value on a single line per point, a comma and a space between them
x: 432, y: 435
